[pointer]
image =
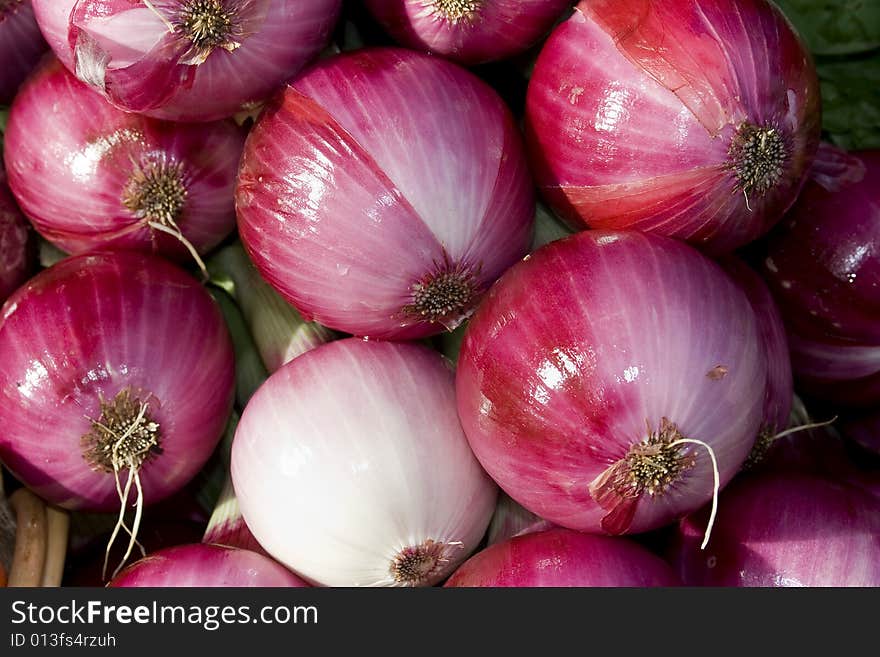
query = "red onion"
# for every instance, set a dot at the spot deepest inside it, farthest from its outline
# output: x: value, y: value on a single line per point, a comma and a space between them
x: 562, y: 557
x: 17, y: 244
x: 186, y: 60
x: 784, y: 529
x: 351, y: 468
x: 779, y: 391
x: 823, y: 266
x: 385, y: 232
x: 90, y: 176
x: 696, y: 119
x: 111, y: 363
x: 21, y: 45
x: 596, y: 381
x: 201, y: 565
x: 468, y: 31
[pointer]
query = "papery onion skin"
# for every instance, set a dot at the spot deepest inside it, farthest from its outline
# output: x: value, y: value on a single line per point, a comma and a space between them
x: 203, y: 565
x: 587, y: 344
x: 633, y: 108
x: 21, y: 46
x: 17, y: 244
x: 357, y: 445
x: 510, y: 519
x: 156, y: 72
x: 74, y: 162
x: 468, y: 32
x: 562, y: 558
x: 784, y: 529
x: 823, y: 267
x: 88, y: 329
x: 348, y: 219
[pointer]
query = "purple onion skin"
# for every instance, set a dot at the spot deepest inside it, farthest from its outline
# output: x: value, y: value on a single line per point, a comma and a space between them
x: 87, y: 329
x: 17, y: 243
x: 70, y: 157
x: 823, y: 267
x: 203, y: 565
x: 564, y: 558
x: 783, y: 529
x: 21, y: 46
x: 584, y: 343
x: 780, y: 387
x: 346, y: 218
x: 634, y: 107
x: 496, y: 29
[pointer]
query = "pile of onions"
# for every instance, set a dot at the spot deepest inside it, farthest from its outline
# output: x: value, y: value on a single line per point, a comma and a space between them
x: 17, y: 244
x: 383, y: 191
x: 21, y: 45
x: 562, y: 557
x: 599, y: 387
x: 784, y: 529
x: 823, y: 266
x: 102, y: 386
x: 351, y: 468
x: 186, y: 60
x: 90, y: 176
x: 468, y: 31
x: 697, y: 119
x: 779, y: 390
x: 202, y: 565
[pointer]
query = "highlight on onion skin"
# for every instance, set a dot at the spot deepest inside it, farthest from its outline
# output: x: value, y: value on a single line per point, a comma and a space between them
x: 823, y: 267
x: 90, y: 176
x: 784, y: 529
x: 591, y: 366
x: 21, y: 45
x: 203, y: 565
x: 391, y: 234
x: 468, y: 31
x: 17, y: 244
x: 114, y: 386
x: 693, y: 119
x: 357, y: 445
x: 562, y: 557
x: 186, y: 60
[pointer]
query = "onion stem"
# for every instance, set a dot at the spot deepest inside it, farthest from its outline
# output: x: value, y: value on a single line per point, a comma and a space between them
x: 30, y: 539
x: 58, y: 524
x: 175, y: 232
x: 716, y: 488
x: 803, y: 427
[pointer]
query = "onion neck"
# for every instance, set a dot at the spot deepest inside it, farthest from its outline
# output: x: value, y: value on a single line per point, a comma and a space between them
x: 457, y: 11
x: 423, y: 564
x: 156, y: 191
x: 757, y: 156
x: 124, y: 435
x: 446, y: 295
x: 207, y: 24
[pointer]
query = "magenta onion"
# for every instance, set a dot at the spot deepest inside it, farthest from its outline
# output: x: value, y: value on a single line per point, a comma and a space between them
x: 784, y: 529
x: 90, y: 176
x: 823, y: 266
x: 111, y: 363
x: 468, y: 31
x: 21, y: 45
x: 17, y: 244
x: 383, y: 191
x: 600, y: 375
x: 779, y: 391
x: 562, y: 557
x: 186, y: 60
x: 351, y: 468
x: 696, y: 119
x: 201, y: 565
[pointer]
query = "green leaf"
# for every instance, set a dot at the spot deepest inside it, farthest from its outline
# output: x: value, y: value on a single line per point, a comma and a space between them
x: 851, y: 102
x: 835, y: 27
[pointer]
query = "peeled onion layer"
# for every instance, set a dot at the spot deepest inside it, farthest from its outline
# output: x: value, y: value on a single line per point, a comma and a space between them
x: 202, y: 565
x: 784, y: 529
x: 90, y: 176
x: 696, y: 119
x: 468, y: 31
x: 351, y: 468
x: 151, y: 60
x: 21, y: 46
x: 379, y: 232
x: 562, y: 557
x: 92, y: 342
x: 605, y: 347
